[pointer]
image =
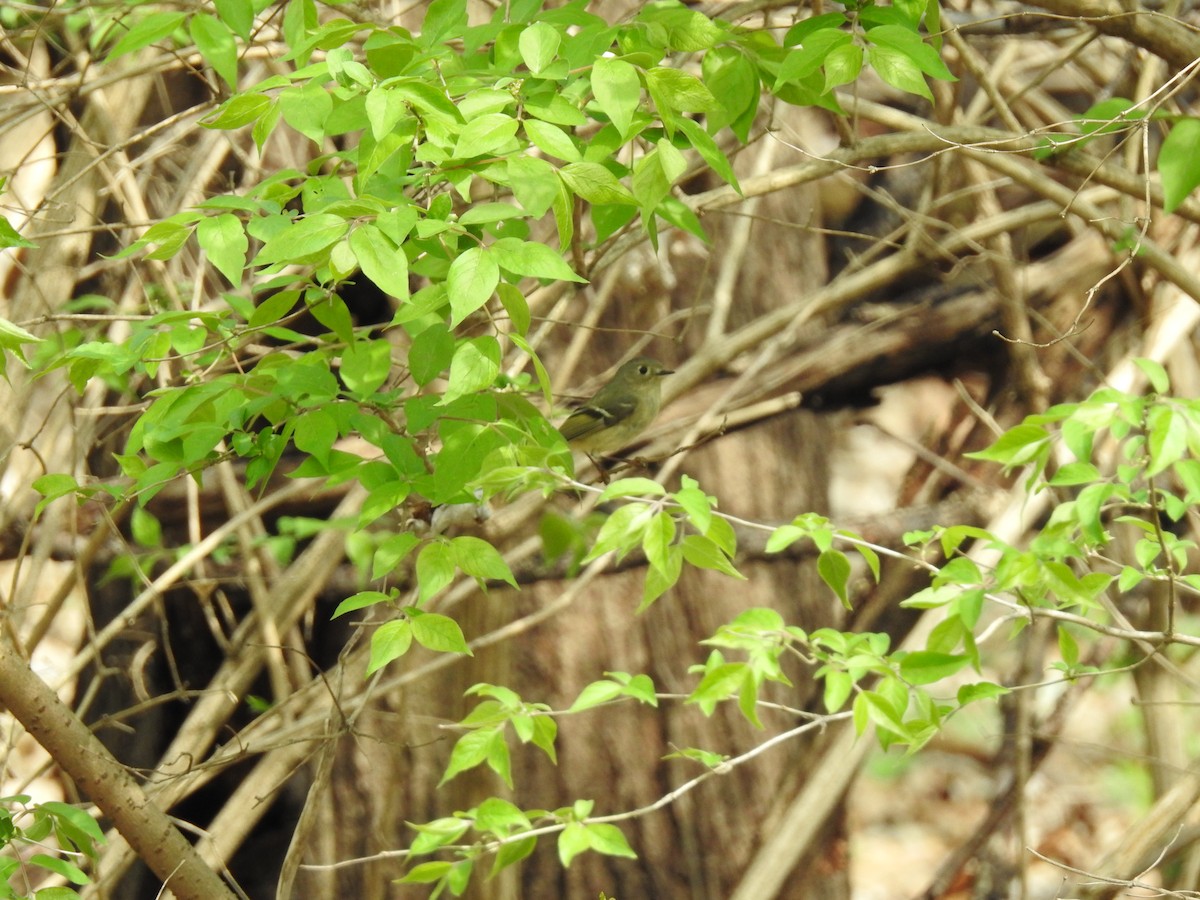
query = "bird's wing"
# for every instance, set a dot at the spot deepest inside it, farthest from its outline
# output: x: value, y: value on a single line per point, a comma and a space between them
x: 592, y: 417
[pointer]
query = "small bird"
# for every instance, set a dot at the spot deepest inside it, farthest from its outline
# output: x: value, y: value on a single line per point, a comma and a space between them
x: 620, y: 410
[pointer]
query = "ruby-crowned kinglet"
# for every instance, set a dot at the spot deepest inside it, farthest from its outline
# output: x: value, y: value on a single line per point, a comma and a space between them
x: 620, y: 410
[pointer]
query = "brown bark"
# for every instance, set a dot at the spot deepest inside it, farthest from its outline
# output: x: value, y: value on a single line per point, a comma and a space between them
x: 104, y: 781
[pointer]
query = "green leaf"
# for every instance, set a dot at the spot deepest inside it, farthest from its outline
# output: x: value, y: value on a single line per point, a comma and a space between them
x: 381, y: 260
x: 9, y: 237
x: 555, y: 108
x: 303, y: 238
x: 618, y: 92
x: 639, y: 687
x: 345, y: 69
x: 657, y: 540
x: 719, y: 683
x: 274, y: 308
x: 571, y: 842
x: 513, y: 851
x: 880, y: 711
x: 385, y: 110
x: 430, y: 353
x: 169, y: 234
x: 306, y: 109
x: 784, y: 536
x: 532, y: 259
x: 224, y: 239
x: 51, y: 486
x: 472, y: 278
x: 145, y: 528
x: 697, y: 504
x: 1075, y: 473
x: 632, y: 487
x: 563, y: 208
x: 704, y: 757
x: 871, y: 558
x: 1188, y: 473
x: 1068, y: 648
x: 366, y: 365
x: 688, y: 30
x: 925, y: 667
x: 679, y: 91
x: 748, y: 702
x: 77, y: 817
x: 552, y: 140
x: 390, y: 641
x: 66, y: 869
x: 1179, y: 162
x: 238, y: 110
x: 482, y: 213
x: 843, y: 65
x: 435, y: 569
x: 703, y: 144
x: 721, y: 533
x: 837, y: 689
x: 810, y: 56
x: 215, y: 42
x: 438, y: 833
x: 932, y: 597
x: 486, y: 135
x: 391, y: 552
x: 299, y: 19
x: 516, y: 306
x: 534, y: 183
x: 608, y: 839
x: 315, y: 432
x: 361, y: 600
x: 443, y: 20
x: 862, y: 714
x: 654, y: 174
x: 237, y: 14
x: 596, y: 184
x: 1017, y: 446
x: 1167, y: 432
x: 474, y: 748
x: 429, y: 99
x: 1154, y: 371
x: 834, y: 569
x: 427, y: 872
x: 908, y: 44
x: 733, y: 79
x: 539, y: 44
x: 799, y: 32
x: 982, y: 690
x: 1108, y: 116
x: 11, y: 338
x: 150, y: 30
x: 596, y: 694
x: 479, y: 559
x: 621, y: 530
x: 437, y: 632
x: 499, y: 817
x: 898, y: 69
x: 545, y: 731
x: 661, y: 578
x: 459, y: 876
x: 474, y: 367
x: 704, y: 553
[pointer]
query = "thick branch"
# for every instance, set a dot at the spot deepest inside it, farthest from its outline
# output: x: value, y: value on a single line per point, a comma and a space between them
x: 1162, y: 35
x: 98, y: 775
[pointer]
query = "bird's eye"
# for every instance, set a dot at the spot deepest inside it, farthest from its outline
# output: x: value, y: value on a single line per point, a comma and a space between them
x: 644, y: 370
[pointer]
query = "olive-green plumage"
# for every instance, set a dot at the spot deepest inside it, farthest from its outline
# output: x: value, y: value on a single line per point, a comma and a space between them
x: 620, y: 410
